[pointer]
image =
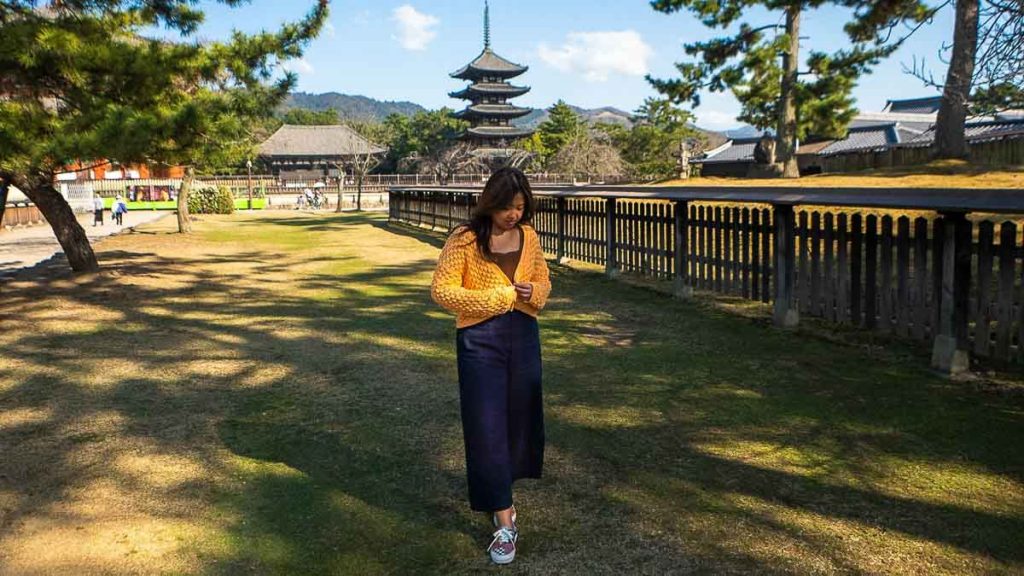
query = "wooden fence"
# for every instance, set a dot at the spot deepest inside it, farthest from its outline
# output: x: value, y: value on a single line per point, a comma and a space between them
x: 21, y: 215
x: 941, y: 266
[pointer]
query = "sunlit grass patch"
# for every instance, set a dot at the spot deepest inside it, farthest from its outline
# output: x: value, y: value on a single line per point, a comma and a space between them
x: 278, y: 394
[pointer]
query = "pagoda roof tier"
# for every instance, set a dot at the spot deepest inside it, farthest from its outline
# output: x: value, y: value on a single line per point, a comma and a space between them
x: 492, y: 111
x: 489, y: 64
x: 490, y: 89
x: 498, y: 132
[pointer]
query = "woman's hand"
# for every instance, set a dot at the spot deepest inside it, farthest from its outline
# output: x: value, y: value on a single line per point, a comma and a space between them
x: 523, y: 291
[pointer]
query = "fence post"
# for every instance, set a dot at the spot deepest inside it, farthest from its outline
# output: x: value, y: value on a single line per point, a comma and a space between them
x: 682, y: 288
x: 433, y: 210
x: 560, y: 202
x: 947, y: 353
x: 611, y: 265
x: 786, y: 314
x: 449, y: 199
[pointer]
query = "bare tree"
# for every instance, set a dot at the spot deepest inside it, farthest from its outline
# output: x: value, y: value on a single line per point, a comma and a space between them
x: 360, y: 165
x: 458, y: 158
x: 1000, y: 56
x: 519, y: 158
x: 587, y: 153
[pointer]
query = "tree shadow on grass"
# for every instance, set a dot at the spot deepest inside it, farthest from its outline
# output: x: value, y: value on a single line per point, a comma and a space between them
x: 702, y: 399
x: 322, y: 411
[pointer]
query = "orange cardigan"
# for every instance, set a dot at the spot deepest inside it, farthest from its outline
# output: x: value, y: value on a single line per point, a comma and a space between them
x: 476, y: 289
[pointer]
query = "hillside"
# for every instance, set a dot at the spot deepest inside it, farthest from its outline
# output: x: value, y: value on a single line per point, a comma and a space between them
x: 363, y: 107
x: 606, y: 114
x: 350, y: 106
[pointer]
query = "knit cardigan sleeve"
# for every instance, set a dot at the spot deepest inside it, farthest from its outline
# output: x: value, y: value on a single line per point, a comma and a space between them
x: 447, y: 290
x: 540, y: 279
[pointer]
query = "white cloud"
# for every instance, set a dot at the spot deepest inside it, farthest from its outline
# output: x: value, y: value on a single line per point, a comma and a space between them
x: 330, y: 29
x: 715, y: 119
x: 300, y: 65
x: 415, y: 29
x: 598, y: 55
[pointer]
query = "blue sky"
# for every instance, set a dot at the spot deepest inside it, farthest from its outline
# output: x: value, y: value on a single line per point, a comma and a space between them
x: 590, y: 53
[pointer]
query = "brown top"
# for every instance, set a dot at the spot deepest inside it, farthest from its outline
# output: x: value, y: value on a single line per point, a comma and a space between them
x: 508, y: 261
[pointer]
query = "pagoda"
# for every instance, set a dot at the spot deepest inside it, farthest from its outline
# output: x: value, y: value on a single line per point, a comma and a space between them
x: 489, y: 112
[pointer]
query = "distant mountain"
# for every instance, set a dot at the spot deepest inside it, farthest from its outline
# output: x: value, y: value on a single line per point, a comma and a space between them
x: 365, y: 108
x: 349, y: 106
x: 607, y: 115
x: 742, y: 132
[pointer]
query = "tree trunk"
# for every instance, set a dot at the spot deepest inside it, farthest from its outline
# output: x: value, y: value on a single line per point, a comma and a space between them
x: 341, y: 186
x: 359, y: 192
x: 4, y: 187
x: 950, y: 141
x: 786, y: 132
x: 58, y: 213
x: 184, y: 223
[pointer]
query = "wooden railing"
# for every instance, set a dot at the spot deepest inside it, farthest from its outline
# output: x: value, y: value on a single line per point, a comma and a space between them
x: 943, y: 266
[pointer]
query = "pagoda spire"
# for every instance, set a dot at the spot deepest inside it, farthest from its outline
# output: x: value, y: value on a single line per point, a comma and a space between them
x: 487, y: 26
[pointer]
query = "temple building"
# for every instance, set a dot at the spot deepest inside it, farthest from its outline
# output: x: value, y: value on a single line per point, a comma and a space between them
x: 313, y: 152
x: 489, y: 111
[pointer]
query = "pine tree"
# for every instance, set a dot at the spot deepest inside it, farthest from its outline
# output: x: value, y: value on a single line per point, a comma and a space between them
x: 563, y: 124
x: 997, y: 98
x: 81, y: 82
x: 305, y: 117
x: 651, y: 146
x: 770, y: 91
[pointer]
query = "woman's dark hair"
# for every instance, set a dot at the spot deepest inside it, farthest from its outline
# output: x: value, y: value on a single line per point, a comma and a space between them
x: 498, y: 194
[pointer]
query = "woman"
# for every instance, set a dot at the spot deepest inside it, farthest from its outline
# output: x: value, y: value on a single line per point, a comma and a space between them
x: 492, y: 274
x: 118, y: 210
x: 97, y: 210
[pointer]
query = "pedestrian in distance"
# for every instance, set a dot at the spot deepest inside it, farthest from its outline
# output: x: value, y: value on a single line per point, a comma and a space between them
x: 118, y: 209
x: 492, y: 274
x: 97, y: 210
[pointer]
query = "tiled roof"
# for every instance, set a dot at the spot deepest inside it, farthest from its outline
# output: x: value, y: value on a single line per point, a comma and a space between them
x: 740, y: 150
x: 492, y: 110
x: 490, y: 89
x: 927, y: 105
x: 866, y: 138
x: 489, y: 63
x: 874, y: 135
x: 499, y: 131
x: 333, y: 141
x: 979, y: 131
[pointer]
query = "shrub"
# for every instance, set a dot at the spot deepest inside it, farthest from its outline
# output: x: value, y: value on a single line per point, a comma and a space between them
x: 224, y: 201
x: 211, y: 200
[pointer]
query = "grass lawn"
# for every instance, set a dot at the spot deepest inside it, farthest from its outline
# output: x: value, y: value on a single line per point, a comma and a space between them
x: 277, y: 394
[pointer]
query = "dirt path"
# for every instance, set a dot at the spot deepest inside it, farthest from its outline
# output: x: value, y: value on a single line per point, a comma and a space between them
x: 24, y: 247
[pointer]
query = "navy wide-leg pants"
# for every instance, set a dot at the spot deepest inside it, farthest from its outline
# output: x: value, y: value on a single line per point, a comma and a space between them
x: 502, y: 410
